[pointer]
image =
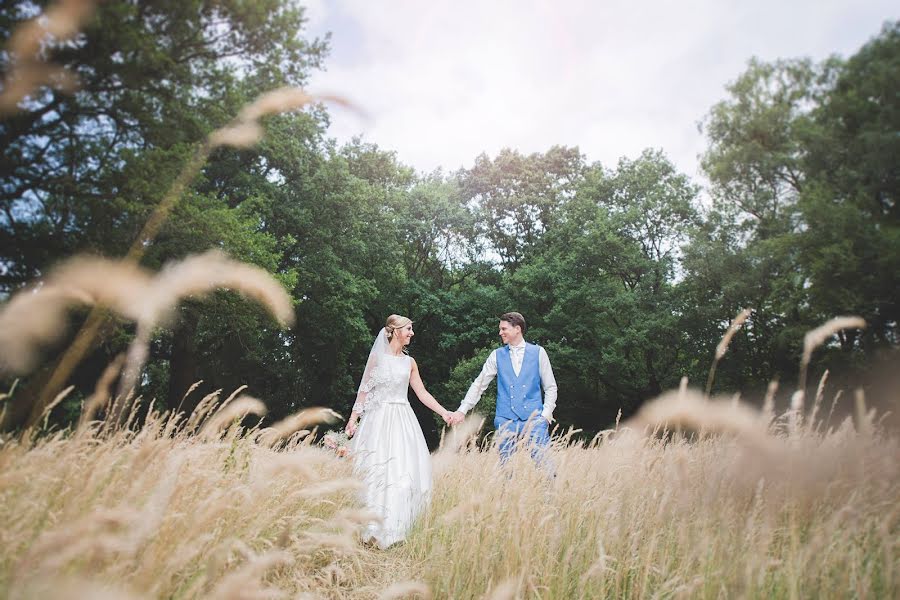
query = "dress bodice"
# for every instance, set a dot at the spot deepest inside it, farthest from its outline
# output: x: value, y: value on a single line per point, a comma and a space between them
x: 388, y: 381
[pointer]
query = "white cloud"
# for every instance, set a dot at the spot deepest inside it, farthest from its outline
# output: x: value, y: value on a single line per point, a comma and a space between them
x: 443, y: 81
x: 316, y: 13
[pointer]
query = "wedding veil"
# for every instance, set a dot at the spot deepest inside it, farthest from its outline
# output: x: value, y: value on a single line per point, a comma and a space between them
x: 370, y: 374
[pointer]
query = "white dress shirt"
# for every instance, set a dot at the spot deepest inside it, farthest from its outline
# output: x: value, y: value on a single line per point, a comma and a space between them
x: 517, y: 355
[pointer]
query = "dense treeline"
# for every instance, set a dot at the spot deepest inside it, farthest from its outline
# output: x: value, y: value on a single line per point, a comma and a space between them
x: 628, y: 274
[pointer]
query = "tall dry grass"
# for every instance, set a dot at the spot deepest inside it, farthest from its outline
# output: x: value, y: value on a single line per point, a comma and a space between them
x: 161, y: 512
x: 28, y: 69
x: 730, y: 505
x: 772, y: 512
x: 691, y: 498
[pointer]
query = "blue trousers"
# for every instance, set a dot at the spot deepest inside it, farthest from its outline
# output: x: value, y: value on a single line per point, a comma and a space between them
x: 511, y: 432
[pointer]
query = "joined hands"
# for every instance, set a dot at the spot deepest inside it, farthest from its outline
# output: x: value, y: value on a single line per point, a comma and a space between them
x: 454, y: 418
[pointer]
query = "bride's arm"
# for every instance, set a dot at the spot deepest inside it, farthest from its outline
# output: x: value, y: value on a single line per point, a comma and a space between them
x: 415, y: 382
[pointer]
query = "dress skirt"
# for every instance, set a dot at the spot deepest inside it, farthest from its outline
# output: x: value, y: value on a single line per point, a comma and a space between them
x: 391, y: 458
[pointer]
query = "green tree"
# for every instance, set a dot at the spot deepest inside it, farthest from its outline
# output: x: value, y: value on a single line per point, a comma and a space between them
x: 601, y: 297
x: 804, y: 208
x: 82, y: 172
x: 517, y: 196
x: 850, y: 247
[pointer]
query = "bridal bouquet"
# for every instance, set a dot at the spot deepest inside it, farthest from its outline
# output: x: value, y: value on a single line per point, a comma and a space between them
x: 338, y: 442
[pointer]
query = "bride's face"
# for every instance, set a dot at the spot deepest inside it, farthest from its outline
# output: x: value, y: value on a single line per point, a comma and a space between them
x: 405, y: 334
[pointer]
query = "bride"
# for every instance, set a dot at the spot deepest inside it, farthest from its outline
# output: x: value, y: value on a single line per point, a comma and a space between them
x: 388, y: 447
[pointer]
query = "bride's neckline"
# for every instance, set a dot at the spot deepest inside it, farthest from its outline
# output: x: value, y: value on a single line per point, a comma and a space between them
x: 389, y: 350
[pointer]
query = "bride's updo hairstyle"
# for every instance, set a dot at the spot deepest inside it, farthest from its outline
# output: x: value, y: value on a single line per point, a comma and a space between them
x: 393, y: 323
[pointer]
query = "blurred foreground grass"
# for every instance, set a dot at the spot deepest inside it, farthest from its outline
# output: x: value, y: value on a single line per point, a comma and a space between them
x: 158, y: 512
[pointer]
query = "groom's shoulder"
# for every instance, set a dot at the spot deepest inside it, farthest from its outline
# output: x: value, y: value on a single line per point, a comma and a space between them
x: 539, y: 348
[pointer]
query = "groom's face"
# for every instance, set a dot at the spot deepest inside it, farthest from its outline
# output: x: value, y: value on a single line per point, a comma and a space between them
x: 508, y: 333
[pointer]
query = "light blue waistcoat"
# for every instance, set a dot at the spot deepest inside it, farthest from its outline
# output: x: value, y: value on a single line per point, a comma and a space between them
x: 519, y: 397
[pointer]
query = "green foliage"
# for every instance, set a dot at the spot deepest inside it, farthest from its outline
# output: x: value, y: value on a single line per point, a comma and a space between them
x: 516, y: 197
x: 805, y: 209
x: 628, y: 276
x: 850, y: 248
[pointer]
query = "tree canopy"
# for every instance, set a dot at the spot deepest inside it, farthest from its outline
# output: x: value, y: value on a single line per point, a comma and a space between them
x: 628, y: 274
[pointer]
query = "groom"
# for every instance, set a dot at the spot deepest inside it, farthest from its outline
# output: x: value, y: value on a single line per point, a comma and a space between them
x: 522, y: 370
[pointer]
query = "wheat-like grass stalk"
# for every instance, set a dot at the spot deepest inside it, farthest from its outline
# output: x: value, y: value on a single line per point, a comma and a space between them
x: 453, y: 440
x: 295, y: 422
x: 26, y: 49
x: 691, y: 410
x: 118, y: 285
x: 505, y: 590
x: 154, y: 511
x: 245, y: 131
x: 55, y: 548
x: 200, y: 274
x: 328, y: 488
x: 864, y: 418
x: 232, y: 396
x: 66, y: 588
x: 36, y: 317
x: 236, y: 585
x: 768, y: 407
x: 25, y: 80
x: 241, y: 135
x: 818, y: 336
x: 4, y: 397
x: 337, y: 544
x: 226, y: 415
x: 795, y: 414
x: 820, y: 396
x: 33, y: 317
x: 463, y: 509
x: 46, y: 414
x: 732, y: 329
x: 406, y: 589
x: 205, y: 407
x: 722, y: 347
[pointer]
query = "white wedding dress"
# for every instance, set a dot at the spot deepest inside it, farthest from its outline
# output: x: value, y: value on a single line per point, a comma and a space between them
x: 389, y: 450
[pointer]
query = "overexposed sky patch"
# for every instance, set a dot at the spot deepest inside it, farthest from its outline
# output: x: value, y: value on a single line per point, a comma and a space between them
x: 444, y: 80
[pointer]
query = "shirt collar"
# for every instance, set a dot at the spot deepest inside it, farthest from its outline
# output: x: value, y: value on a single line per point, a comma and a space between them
x: 519, y: 347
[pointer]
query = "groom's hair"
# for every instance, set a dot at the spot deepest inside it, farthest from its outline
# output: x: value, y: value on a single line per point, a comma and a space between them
x: 515, y: 319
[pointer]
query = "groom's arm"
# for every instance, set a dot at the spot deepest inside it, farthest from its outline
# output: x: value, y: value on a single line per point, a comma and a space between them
x: 484, y: 379
x: 548, y: 382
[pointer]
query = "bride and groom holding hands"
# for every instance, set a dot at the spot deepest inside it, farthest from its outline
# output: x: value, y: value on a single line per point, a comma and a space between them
x: 388, y: 447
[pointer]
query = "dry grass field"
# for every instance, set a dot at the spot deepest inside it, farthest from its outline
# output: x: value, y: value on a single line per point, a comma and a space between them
x: 730, y: 506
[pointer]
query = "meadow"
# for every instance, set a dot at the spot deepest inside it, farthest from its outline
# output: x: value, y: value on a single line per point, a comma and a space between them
x: 730, y: 503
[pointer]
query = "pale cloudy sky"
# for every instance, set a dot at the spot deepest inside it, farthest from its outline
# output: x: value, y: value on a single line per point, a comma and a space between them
x: 442, y: 81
